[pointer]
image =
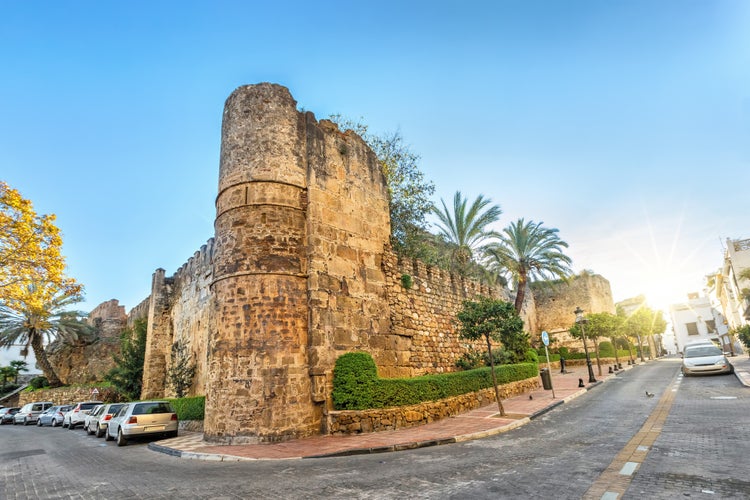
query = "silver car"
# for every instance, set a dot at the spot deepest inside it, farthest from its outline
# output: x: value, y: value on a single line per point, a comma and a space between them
x: 704, y: 360
x: 142, y: 418
x: 53, y: 416
x: 30, y: 412
x: 99, y: 420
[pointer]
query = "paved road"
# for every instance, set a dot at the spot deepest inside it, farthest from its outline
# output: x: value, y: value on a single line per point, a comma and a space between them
x: 559, y: 455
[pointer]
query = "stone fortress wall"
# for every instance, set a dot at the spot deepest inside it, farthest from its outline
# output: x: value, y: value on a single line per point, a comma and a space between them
x: 556, y: 301
x: 299, y: 272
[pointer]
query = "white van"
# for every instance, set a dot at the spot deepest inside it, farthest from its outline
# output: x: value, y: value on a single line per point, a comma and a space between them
x: 30, y: 412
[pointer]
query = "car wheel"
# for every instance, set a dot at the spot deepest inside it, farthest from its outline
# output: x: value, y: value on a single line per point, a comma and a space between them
x: 172, y: 434
x: 89, y: 431
x: 54, y: 422
x: 99, y: 432
x: 70, y: 427
x: 121, y: 441
x: 39, y: 423
x: 107, y: 437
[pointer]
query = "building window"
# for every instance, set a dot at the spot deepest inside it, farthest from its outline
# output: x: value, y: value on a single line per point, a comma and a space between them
x: 692, y: 328
x: 711, y: 326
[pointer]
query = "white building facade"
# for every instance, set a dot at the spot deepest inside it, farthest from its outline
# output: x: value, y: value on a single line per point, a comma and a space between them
x: 699, y: 319
x: 732, y: 287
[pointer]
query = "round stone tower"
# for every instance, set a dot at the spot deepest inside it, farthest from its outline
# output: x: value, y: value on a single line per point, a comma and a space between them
x: 259, y: 383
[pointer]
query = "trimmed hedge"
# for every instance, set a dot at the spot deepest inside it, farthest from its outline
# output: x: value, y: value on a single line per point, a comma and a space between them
x: 191, y: 408
x: 356, y: 385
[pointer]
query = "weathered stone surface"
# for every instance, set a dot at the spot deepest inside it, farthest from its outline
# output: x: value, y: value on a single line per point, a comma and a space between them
x: 69, y: 395
x: 299, y: 272
x: 555, y: 305
x: 88, y: 362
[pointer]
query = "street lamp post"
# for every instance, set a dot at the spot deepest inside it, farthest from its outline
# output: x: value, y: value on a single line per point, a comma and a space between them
x: 581, y: 320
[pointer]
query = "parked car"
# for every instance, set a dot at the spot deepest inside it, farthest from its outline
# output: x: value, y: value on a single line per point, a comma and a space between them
x: 53, y: 416
x: 75, y: 416
x: 142, y: 418
x: 99, y: 420
x: 29, y: 413
x: 89, y: 416
x: 703, y: 359
x: 7, y: 414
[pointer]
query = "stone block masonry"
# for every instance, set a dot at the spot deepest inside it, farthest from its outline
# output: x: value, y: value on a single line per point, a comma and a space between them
x: 299, y: 272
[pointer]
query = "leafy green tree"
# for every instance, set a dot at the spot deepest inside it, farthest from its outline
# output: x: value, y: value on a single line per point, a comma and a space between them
x: 642, y: 324
x: 18, y: 367
x: 6, y: 373
x: 182, y: 371
x: 409, y: 189
x: 743, y: 333
x: 39, y: 317
x: 466, y: 228
x: 492, y: 320
x: 599, y: 325
x: 127, y: 375
x: 527, y: 251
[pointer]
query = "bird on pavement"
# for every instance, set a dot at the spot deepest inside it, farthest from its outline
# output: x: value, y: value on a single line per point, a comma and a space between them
x: 649, y: 394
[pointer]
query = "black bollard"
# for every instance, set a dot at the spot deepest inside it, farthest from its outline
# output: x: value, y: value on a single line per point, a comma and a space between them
x: 610, y: 370
x: 619, y: 365
x: 562, y: 365
x: 616, y: 367
x: 580, y: 383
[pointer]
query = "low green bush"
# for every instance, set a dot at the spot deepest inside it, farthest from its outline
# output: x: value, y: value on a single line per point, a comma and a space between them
x: 189, y: 408
x: 39, y: 382
x: 356, y: 385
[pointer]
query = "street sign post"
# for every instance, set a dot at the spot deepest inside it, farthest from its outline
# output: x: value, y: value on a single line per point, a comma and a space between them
x: 545, y: 341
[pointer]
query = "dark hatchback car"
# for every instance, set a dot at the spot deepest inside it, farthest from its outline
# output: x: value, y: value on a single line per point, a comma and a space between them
x: 7, y: 414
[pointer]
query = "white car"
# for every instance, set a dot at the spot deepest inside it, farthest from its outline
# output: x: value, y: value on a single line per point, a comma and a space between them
x: 702, y: 359
x: 76, y: 416
x: 142, y: 418
x: 98, y: 421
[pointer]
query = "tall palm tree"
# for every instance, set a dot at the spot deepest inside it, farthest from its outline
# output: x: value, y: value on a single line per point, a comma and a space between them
x: 39, y: 319
x: 527, y: 251
x: 466, y: 228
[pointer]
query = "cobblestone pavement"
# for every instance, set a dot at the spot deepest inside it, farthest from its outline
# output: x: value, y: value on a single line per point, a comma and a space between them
x: 475, y: 424
x: 704, y: 448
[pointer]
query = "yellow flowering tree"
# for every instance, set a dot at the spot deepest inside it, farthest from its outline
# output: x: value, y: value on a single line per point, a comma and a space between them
x: 34, y: 290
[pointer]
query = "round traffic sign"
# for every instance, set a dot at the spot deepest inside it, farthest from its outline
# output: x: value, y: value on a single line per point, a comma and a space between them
x: 545, y: 337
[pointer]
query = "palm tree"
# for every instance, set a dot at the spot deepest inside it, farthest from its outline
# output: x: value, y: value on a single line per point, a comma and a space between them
x: 467, y: 228
x: 528, y: 252
x: 39, y: 318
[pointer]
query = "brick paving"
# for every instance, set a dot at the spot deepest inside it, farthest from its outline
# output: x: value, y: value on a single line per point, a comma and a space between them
x: 475, y: 424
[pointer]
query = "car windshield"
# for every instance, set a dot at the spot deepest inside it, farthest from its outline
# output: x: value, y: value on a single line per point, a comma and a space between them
x: 113, y: 409
x: 699, y: 352
x: 146, y: 408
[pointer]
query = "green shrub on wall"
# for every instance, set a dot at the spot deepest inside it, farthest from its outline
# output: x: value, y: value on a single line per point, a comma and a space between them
x: 191, y: 408
x: 353, y: 377
x: 356, y: 385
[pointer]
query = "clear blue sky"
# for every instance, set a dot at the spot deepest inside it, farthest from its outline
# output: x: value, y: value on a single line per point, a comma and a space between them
x: 625, y: 124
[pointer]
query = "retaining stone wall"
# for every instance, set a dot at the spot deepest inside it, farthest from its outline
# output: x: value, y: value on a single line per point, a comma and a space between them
x: 388, y: 419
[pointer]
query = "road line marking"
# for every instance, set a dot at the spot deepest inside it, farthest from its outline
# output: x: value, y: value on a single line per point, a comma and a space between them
x: 615, y: 479
x: 629, y: 468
